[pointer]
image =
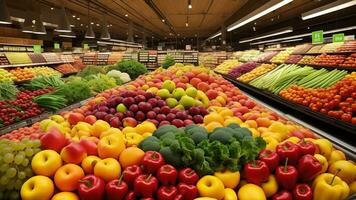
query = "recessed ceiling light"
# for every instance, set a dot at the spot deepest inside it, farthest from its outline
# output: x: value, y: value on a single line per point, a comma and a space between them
x: 126, y: 15
x: 97, y: 24
x: 52, y: 8
x: 163, y: 20
x: 190, y: 4
x: 73, y: 16
x: 186, y: 24
x: 78, y: 18
x: 91, y: 22
x: 81, y: 24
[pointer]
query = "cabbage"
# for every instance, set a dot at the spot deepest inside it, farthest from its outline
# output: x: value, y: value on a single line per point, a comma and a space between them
x: 125, y: 77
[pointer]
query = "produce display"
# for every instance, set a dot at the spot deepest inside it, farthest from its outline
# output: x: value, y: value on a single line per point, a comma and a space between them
x: 44, y: 70
x: 301, y: 49
x: 242, y: 69
x: 67, y: 58
x: 336, y: 101
x: 349, y: 46
x: 307, y: 60
x: 78, y: 64
x: 315, y: 48
x: 22, y: 74
x: 114, y: 57
x: 282, y: 56
x: 293, y: 59
x: 350, y: 61
x: 6, y: 76
x: 329, y: 60
x: 266, y: 56
x: 331, y: 47
x: 51, y: 57
x: 258, y: 71
x: 36, y: 58
x: 18, y: 58
x: 3, y: 59
x: 66, y: 69
x: 226, y: 66
x: 249, y: 55
x: 180, y: 133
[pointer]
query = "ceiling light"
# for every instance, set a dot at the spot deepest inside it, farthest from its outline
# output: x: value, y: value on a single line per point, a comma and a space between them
x: 254, y: 28
x: 68, y: 35
x: 286, y: 41
x: 105, y: 35
x: 73, y: 16
x: 305, y: 35
x: 269, y: 34
x: 63, y: 25
x: 81, y: 24
x: 329, y: 8
x: 97, y: 24
x: 89, y: 34
x: 92, y: 23
x: 126, y: 15
x: 190, y: 4
x: 52, y: 8
x: 163, y: 20
x: 270, y: 6
x: 78, y: 18
x: 39, y: 28
x: 4, y: 13
x: 28, y: 23
x: 186, y: 24
x: 215, y: 35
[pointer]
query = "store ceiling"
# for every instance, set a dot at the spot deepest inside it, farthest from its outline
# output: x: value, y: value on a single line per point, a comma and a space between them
x: 204, y: 19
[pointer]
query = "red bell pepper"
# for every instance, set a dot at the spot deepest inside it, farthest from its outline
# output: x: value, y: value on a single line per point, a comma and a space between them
x: 286, y: 176
x: 288, y: 150
x: 131, y: 173
x: 178, y: 197
x: 188, y: 192
x: 148, y: 198
x: 308, y: 168
x: 302, y: 192
x: 152, y: 161
x: 306, y: 147
x: 167, y: 175
x: 145, y: 185
x: 91, y: 188
x: 130, y: 196
x: 167, y: 193
x: 282, y: 195
x: 256, y: 172
x: 116, y: 189
x: 270, y: 157
x: 188, y: 176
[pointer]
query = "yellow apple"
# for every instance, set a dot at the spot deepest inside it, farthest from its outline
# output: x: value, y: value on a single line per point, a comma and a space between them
x: 133, y: 139
x: 111, y: 146
x: 37, y: 188
x: 46, y: 162
x: 107, y: 169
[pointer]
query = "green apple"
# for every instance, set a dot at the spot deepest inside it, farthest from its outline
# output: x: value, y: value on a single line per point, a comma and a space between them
x: 171, y: 102
x: 169, y: 85
x: 178, y: 93
x: 179, y: 107
x: 198, y: 103
x: 191, y: 91
x: 163, y: 93
x: 187, y: 101
x: 121, y: 108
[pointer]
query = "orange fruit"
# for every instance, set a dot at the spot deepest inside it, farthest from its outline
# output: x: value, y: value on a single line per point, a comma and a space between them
x: 213, y: 117
x: 131, y: 156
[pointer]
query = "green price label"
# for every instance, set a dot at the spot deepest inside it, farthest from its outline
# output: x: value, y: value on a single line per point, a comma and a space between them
x: 37, y: 48
x: 86, y: 46
x: 340, y: 37
x: 56, y: 45
x: 317, y: 37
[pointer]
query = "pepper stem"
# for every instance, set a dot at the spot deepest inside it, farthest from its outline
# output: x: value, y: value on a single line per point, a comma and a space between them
x: 285, y: 165
x: 148, y: 178
x: 332, y: 180
x: 191, y: 172
x: 254, y: 163
x: 87, y: 183
x: 120, y: 179
x: 154, y: 155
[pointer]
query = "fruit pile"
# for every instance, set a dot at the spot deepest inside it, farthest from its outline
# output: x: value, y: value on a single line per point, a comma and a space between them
x: 21, y: 108
x: 331, y: 47
x: 6, y: 76
x: 349, y: 46
x: 307, y: 60
x: 266, y: 56
x: 282, y: 56
x: 258, y: 71
x: 301, y: 49
x: 66, y: 69
x: 22, y: 74
x: 242, y: 69
x: 329, y: 60
x: 336, y: 101
x: 293, y: 59
x: 226, y: 66
x: 16, y: 165
x: 349, y: 61
x: 249, y: 55
x: 45, y: 71
x: 315, y: 48
x: 223, y: 156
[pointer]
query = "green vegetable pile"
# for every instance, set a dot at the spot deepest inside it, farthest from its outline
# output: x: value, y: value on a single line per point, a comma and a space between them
x: 227, y: 147
x: 100, y: 82
x: 51, y: 101
x: 7, y: 91
x: 74, y: 91
x: 41, y: 82
x: 91, y: 70
x: 132, y: 67
x: 168, y: 61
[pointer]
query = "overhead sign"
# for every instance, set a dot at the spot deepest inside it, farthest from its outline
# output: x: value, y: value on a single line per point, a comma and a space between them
x: 340, y: 37
x: 56, y: 45
x: 37, y: 48
x: 86, y: 46
x: 317, y: 37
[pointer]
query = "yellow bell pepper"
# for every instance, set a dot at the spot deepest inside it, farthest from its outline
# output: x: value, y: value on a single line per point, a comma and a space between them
x: 270, y: 187
x: 330, y: 186
x: 230, y: 179
x: 230, y: 194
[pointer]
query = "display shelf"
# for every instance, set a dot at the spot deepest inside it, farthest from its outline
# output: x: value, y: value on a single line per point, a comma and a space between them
x: 349, y: 69
x: 330, y: 53
x: 321, y: 118
x: 32, y: 64
x: 30, y: 121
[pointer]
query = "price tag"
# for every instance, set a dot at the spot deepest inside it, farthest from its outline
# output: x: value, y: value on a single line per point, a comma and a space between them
x: 340, y: 37
x: 86, y: 46
x: 57, y: 45
x: 37, y: 48
x: 317, y: 37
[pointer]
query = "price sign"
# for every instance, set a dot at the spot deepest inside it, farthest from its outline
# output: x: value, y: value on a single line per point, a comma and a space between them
x: 86, y: 46
x: 317, y: 37
x: 57, y: 45
x: 340, y: 37
x: 37, y: 48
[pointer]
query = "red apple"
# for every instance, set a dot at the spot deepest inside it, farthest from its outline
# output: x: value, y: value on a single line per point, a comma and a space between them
x: 181, y: 85
x: 181, y: 115
x: 129, y: 113
x: 157, y: 110
x: 140, y: 116
x: 53, y: 139
x: 115, y: 122
x: 178, y: 123
x: 144, y: 107
x: 129, y: 121
x: 198, y: 119
x: 194, y: 110
x: 108, y: 117
x: 120, y: 115
x: 74, y: 118
x: 155, y: 122
x: 297, y: 134
x: 161, y: 103
x: 73, y: 153
x: 161, y: 117
x: 133, y: 108
x: 151, y: 114
x: 171, y: 117
x: 90, y: 119
x: 89, y: 146
x: 188, y: 122
x: 140, y: 98
x: 164, y: 122
x: 203, y: 86
x: 128, y: 101
x: 152, y: 101
x: 190, y: 75
x: 212, y: 94
x: 165, y: 110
